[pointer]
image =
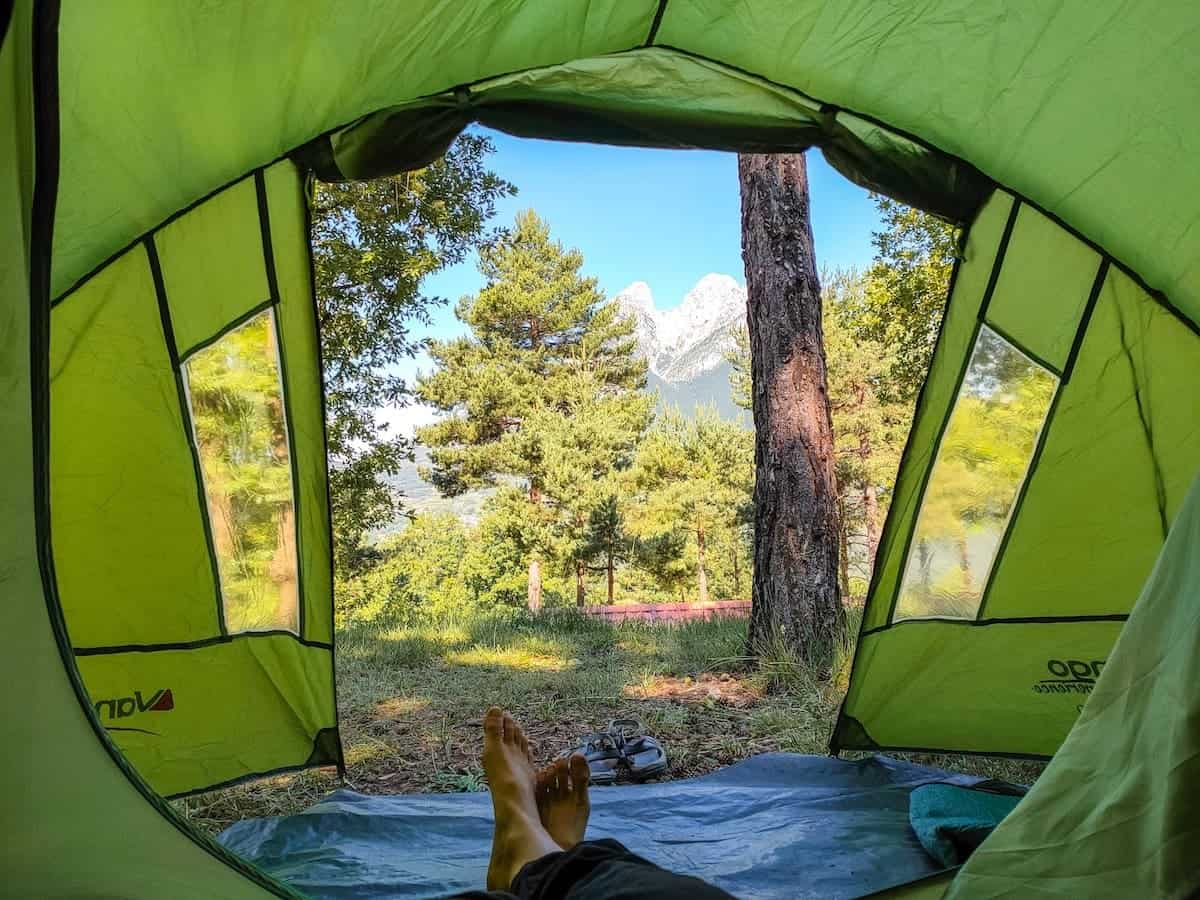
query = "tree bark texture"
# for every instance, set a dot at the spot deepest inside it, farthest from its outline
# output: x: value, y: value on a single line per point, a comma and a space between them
x: 871, y: 512
x: 580, y: 586
x: 533, y: 596
x: 737, y: 570
x: 701, y: 562
x: 795, y: 592
x: 870, y: 501
x: 844, y: 549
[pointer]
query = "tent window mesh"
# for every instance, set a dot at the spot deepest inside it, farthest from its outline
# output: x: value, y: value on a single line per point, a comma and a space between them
x: 981, y: 462
x: 236, y: 399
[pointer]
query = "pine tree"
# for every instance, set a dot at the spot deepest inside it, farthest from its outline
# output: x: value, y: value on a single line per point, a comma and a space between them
x: 585, y: 451
x: 542, y: 390
x: 869, y: 424
x: 606, y: 539
x: 741, y: 388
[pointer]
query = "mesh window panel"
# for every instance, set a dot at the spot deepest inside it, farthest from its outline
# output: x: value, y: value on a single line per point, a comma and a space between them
x: 981, y: 463
x: 236, y: 401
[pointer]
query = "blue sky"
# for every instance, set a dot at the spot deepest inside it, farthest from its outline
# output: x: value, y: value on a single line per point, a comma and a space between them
x: 666, y: 217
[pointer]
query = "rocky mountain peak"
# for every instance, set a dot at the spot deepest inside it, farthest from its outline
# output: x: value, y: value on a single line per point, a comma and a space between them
x: 688, y: 340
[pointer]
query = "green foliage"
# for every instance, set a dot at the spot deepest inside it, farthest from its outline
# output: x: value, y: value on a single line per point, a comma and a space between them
x: 418, y: 578
x: 509, y: 532
x: 980, y: 464
x: 374, y: 243
x: 543, y: 346
x: 869, y: 423
x: 740, y: 383
x: 606, y: 543
x: 906, y: 290
x: 879, y: 333
x: 237, y: 412
x: 695, y: 476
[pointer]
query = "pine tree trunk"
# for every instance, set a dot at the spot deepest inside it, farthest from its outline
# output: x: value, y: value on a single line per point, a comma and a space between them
x: 925, y: 568
x: 701, y: 574
x: 795, y: 586
x: 871, y: 513
x: 533, y: 596
x: 580, y: 588
x: 843, y: 549
x: 737, y: 569
x: 282, y: 570
x: 610, y: 580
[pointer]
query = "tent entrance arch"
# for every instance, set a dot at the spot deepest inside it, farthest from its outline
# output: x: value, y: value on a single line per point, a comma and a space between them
x: 121, y: 119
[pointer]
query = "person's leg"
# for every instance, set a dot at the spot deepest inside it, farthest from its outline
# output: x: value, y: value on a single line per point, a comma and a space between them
x: 605, y: 870
x: 519, y: 837
x: 539, y: 813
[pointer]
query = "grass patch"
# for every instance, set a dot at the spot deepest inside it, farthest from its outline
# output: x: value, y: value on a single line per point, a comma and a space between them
x: 411, y: 701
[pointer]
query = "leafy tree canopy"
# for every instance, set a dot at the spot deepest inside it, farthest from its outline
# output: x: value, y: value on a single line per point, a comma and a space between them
x: 906, y: 289
x: 374, y: 243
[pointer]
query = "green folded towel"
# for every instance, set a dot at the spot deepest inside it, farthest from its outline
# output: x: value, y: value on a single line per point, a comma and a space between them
x: 951, y: 821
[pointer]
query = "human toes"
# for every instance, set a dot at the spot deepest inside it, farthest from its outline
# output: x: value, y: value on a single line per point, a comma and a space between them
x: 493, y: 724
x: 512, y: 731
x: 562, y: 778
x: 580, y: 773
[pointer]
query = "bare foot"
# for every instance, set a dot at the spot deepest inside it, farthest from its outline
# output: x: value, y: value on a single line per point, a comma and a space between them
x: 562, y: 799
x: 519, y: 837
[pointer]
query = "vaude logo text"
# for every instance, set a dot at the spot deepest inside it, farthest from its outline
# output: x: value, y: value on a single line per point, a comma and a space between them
x: 123, y: 707
x: 1069, y: 676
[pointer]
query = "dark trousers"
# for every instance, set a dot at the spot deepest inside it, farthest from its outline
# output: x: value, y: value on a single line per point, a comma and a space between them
x: 599, y: 870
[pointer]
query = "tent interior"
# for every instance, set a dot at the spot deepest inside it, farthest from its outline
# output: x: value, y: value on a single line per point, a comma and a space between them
x: 156, y: 173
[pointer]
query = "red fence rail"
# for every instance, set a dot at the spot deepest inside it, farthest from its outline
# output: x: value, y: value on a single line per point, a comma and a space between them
x: 670, y: 612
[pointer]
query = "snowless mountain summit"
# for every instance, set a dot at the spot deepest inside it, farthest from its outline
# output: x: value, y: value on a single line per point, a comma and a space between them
x: 682, y: 343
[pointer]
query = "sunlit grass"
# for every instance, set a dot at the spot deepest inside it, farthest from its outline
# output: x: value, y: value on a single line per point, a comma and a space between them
x: 411, y: 700
x: 399, y: 707
x: 510, y: 657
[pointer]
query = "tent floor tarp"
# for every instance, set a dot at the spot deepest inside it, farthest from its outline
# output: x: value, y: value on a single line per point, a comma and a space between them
x: 779, y: 825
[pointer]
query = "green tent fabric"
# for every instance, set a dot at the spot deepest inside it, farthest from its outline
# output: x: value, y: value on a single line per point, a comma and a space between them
x: 1003, y: 576
x: 77, y: 820
x: 196, y: 586
x: 1115, y: 810
x: 155, y: 256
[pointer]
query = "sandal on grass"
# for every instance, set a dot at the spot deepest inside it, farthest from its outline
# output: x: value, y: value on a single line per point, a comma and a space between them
x: 603, y: 754
x: 643, y: 754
